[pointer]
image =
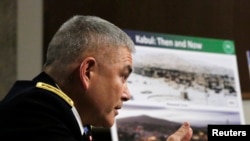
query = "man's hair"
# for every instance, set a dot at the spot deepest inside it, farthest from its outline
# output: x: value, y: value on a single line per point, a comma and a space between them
x: 82, y: 33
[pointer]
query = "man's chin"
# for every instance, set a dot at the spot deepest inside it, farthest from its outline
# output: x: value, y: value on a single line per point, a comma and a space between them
x: 107, y: 123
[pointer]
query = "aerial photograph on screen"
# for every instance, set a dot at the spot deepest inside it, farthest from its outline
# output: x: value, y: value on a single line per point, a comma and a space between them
x: 170, y: 76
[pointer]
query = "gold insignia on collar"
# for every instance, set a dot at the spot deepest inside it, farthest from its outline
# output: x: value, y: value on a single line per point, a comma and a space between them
x: 55, y: 91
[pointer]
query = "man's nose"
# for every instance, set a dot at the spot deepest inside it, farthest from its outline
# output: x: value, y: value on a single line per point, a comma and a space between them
x: 126, y: 93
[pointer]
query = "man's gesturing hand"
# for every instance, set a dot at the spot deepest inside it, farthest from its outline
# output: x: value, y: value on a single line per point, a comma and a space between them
x: 184, y: 133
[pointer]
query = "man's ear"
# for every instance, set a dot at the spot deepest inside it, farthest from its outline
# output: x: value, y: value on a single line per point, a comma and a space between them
x: 86, y: 69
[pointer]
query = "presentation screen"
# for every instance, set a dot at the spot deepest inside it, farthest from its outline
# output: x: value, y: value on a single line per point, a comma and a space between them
x: 175, y: 79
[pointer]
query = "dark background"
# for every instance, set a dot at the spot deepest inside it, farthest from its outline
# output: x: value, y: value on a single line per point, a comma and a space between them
x: 222, y: 19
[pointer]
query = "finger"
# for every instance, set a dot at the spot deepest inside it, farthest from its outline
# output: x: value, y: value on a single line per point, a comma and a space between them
x: 184, y: 133
x: 183, y: 129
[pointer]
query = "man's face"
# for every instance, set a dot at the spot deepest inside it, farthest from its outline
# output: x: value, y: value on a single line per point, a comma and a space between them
x: 108, y: 87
